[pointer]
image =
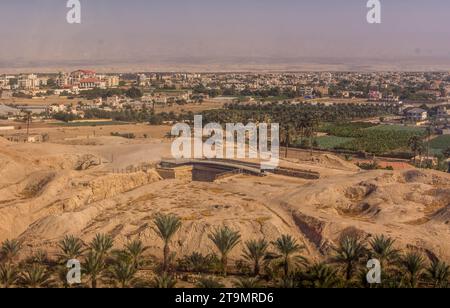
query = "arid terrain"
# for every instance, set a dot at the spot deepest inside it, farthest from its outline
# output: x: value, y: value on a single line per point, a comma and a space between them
x: 82, y: 185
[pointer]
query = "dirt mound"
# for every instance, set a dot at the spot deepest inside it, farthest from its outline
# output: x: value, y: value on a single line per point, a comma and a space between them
x: 111, y: 185
x: 36, y: 184
x: 429, y: 177
x: 42, y: 198
x: 335, y: 162
x: 415, y: 176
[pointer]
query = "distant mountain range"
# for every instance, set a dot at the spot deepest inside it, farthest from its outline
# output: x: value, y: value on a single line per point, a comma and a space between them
x: 209, y: 64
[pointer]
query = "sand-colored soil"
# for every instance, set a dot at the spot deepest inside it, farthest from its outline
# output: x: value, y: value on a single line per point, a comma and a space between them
x: 44, y: 195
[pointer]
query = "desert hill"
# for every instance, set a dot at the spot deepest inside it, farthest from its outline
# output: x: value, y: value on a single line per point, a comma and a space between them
x: 50, y: 190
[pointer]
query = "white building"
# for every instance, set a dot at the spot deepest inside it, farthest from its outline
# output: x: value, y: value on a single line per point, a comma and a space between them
x: 142, y: 80
x: 62, y: 80
x: 28, y: 82
x: 90, y: 83
x: 112, y: 81
x: 57, y: 108
x: 416, y: 115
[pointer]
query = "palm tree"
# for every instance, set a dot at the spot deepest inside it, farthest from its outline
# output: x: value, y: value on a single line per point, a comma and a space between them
x: 247, y: 283
x: 320, y: 276
x: 164, y: 281
x: 102, y: 244
x: 287, y: 134
x: 61, y: 273
x: 93, y: 266
x: 10, y: 250
x: 288, y: 253
x: 286, y: 282
x: 446, y: 152
x: 415, y: 143
x: 413, y: 265
x: 439, y: 273
x: 382, y: 249
x: 135, y: 250
x: 70, y: 248
x: 312, y: 123
x: 430, y: 130
x: 28, y: 119
x: 349, y: 252
x: 209, y: 283
x: 166, y: 227
x: 35, y: 276
x: 225, y: 240
x: 124, y: 272
x: 9, y: 275
x: 255, y: 251
x: 198, y: 263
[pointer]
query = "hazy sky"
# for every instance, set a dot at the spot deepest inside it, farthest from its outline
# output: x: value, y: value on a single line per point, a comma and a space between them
x: 129, y: 30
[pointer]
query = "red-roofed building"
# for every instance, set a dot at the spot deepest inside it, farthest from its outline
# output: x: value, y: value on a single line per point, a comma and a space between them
x: 84, y: 79
x: 88, y: 83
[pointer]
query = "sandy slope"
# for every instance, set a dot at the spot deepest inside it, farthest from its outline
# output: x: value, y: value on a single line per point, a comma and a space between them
x: 43, y: 198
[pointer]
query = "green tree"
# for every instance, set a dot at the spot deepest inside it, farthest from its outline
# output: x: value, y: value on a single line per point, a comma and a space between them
x: 382, y: 248
x: 209, y: 283
x: 101, y: 244
x: 123, y: 272
x: 70, y: 248
x: 166, y: 227
x: 349, y: 253
x: 439, y: 274
x: 225, y: 240
x: 35, y: 276
x: 413, y: 267
x: 255, y: 251
x: 287, y: 254
x: 9, y: 275
x: 416, y: 145
x: 94, y: 266
x: 164, y: 281
x: 319, y: 276
x: 198, y: 263
x: 135, y: 250
x: 10, y: 250
x: 134, y: 93
x: 247, y: 283
x: 447, y: 152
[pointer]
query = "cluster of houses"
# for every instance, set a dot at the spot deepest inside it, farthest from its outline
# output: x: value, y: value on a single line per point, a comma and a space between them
x: 73, y: 82
x: 421, y: 116
x: 375, y: 87
x: 86, y: 79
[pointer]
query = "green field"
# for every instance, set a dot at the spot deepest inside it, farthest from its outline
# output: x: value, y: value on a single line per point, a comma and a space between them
x: 397, y: 128
x: 331, y: 142
x: 379, y: 139
x: 439, y: 144
x: 350, y: 130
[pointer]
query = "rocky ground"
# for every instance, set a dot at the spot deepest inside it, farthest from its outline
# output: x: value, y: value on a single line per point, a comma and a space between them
x: 53, y: 189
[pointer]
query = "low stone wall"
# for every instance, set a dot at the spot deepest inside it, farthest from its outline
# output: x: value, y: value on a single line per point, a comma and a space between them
x: 179, y: 173
x: 303, y: 174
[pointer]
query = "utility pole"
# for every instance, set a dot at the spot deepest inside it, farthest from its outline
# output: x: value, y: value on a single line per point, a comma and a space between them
x: 28, y: 119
